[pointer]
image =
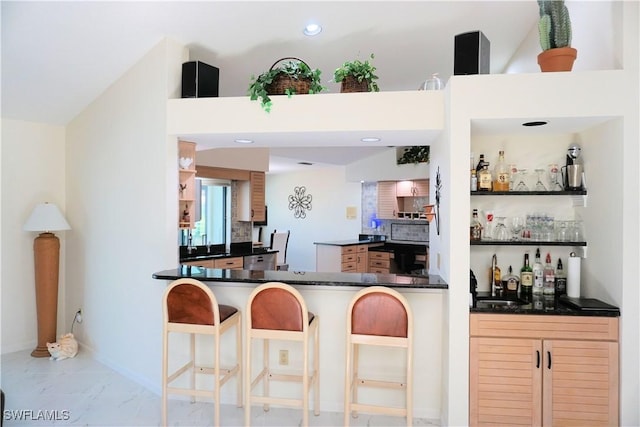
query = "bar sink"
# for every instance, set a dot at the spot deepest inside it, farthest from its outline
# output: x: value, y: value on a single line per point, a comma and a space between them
x: 497, y: 302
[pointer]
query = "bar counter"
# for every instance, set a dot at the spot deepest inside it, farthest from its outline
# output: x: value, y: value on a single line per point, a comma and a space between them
x: 304, y: 278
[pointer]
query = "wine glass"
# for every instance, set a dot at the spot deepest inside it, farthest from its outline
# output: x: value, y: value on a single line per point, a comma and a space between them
x: 501, y: 232
x: 539, y: 184
x: 516, y: 225
x: 554, y: 171
x: 521, y: 186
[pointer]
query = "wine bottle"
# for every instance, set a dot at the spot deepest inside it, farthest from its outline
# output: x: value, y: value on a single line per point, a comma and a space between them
x: 538, y: 274
x: 526, y: 277
x: 549, y: 287
x: 501, y: 174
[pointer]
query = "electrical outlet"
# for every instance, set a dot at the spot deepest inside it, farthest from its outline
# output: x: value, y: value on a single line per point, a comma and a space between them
x: 78, y: 317
x: 284, y: 357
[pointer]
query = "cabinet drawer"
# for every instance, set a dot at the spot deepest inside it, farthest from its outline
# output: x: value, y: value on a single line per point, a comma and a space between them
x: 545, y: 327
x: 349, y: 250
x: 205, y: 263
x: 379, y: 263
x: 349, y: 257
x: 378, y: 270
x: 379, y: 255
x: 348, y: 266
x: 362, y: 248
x: 229, y: 263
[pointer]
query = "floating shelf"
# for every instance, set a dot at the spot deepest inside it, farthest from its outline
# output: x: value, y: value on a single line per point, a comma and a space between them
x: 523, y: 243
x: 530, y: 193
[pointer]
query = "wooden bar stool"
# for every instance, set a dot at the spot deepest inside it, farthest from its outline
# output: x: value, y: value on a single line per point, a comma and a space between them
x: 190, y: 307
x: 277, y: 311
x: 378, y: 316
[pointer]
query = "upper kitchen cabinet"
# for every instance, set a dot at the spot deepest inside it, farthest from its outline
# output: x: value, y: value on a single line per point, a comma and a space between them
x: 397, y: 199
x: 397, y: 118
x: 417, y: 188
x: 251, y: 197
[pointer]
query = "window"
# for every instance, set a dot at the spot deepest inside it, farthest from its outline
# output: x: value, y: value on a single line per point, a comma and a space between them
x: 214, y: 225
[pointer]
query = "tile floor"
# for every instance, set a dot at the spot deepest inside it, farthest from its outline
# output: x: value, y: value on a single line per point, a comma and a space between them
x: 84, y: 392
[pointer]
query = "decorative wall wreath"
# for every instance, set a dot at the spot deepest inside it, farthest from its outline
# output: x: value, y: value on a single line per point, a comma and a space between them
x: 299, y: 202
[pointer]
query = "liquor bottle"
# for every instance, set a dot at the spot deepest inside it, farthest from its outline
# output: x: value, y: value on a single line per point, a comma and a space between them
x: 484, y: 178
x: 480, y: 164
x: 561, y: 279
x: 538, y: 274
x: 526, y: 277
x: 501, y: 174
x: 549, y: 287
x: 475, y: 228
x: 495, y: 278
x: 510, y: 284
x: 474, y: 180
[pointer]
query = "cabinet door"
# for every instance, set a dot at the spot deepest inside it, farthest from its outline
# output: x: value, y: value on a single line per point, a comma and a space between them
x: 387, y: 201
x: 421, y: 187
x: 405, y: 189
x: 580, y: 383
x: 505, y: 383
x: 257, y: 196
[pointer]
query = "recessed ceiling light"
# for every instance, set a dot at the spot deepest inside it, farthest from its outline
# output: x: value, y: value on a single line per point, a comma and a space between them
x: 244, y: 141
x: 312, y: 30
x: 370, y: 139
x: 535, y: 123
x: 305, y: 163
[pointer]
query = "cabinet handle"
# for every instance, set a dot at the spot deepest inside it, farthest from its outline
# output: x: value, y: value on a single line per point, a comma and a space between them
x: 537, y: 358
x: 251, y: 213
x: 548, y: 360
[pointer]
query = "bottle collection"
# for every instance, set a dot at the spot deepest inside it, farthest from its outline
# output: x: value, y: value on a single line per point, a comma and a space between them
x: 505, y: 177
x: 537, y: 280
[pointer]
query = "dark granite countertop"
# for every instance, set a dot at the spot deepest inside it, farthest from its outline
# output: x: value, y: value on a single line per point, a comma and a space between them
x: 349, y: 242
x: 307, y: 278
x: 226, y: 255
x: 540, y: 305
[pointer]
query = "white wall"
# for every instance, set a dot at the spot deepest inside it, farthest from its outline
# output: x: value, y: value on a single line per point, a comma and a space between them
x: 33, y: 172
x: 326, y: 221
x: 121, y: 198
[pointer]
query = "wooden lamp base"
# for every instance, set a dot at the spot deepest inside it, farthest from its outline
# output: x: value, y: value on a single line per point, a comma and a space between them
x: 46, y: 248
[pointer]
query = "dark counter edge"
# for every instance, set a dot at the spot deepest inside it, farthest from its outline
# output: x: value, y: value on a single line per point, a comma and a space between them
x: 559, y: 309
x: 304, y: 278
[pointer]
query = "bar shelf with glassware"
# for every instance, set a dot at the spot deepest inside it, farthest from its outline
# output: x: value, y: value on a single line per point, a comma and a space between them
x: 523, y: 243
x: 530, y: 193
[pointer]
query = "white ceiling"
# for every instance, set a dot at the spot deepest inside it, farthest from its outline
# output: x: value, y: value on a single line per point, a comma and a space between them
x: 59, y: 56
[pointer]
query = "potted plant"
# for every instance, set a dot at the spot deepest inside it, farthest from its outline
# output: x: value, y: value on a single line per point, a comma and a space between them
x: 415, y: 154
x: 291, y: 77
x: 357, y: 76
x: 554, y: 27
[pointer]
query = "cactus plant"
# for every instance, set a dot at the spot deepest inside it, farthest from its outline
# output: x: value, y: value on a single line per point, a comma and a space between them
x: 554, y: 25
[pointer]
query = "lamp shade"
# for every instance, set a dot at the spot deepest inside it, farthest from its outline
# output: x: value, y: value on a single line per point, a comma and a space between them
x: 46, y: 217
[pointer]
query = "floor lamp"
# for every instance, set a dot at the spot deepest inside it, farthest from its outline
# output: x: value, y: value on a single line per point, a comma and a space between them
x: 45, y: 218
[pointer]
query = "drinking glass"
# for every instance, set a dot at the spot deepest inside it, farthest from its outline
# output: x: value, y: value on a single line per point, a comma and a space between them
x: 513, y: 172
x: 539, y: 184
x: 522, y: 186
x: 501, y: 232
x: 554, y: 173
x: 562, y: 232
x: 516, y: 226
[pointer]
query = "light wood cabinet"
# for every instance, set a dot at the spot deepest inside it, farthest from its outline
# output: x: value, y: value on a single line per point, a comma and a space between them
x: 531, y: 370
x: 398, y: 196
x: 387, y: 200
x: 380, y: 262
x: 354, y: 259
x: 187, y: 185
x: 251, y: 197
x: 204, y: 263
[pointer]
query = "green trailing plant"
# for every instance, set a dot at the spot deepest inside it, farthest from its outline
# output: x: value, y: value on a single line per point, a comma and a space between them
x: 416, y: 154
x: 296, y: 70
x: 554, y: 25
x: 360, y: 70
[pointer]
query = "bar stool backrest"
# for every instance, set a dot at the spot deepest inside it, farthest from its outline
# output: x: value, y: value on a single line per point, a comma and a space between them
x: 380, y: 314
x: 277, y: 308
x: 189, y: 302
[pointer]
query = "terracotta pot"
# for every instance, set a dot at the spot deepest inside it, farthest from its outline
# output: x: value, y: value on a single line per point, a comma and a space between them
x: 557, y: 59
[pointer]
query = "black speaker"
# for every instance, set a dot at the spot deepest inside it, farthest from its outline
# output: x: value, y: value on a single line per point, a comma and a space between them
x: 199, y: 80
x: 471, y: 54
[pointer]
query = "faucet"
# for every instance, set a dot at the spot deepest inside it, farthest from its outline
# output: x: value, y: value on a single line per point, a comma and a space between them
x: 190, y: 247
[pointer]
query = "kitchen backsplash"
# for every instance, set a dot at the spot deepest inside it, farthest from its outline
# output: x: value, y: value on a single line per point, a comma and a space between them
x: 411, y: 230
